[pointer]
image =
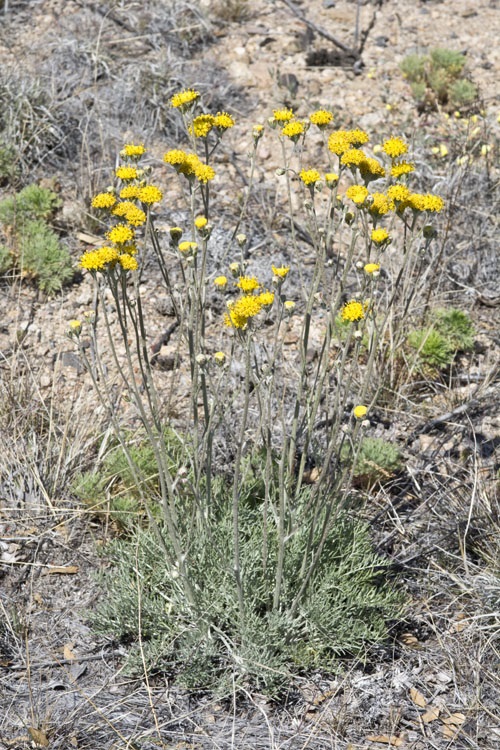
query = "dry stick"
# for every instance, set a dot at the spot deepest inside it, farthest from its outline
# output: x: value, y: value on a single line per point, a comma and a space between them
x: 318, y: 29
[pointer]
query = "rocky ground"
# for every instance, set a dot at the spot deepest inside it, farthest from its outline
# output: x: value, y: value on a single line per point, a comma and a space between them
x: 107, y: 71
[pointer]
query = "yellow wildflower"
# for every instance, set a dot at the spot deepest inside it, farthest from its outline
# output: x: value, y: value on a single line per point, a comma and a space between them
x: 293, y: 130
x: 220, y: 358
x: 371, y: 169
x: 266, y: 298
x: 127, y: 262
x: 130, y: 212
x: 125, y: 174
x: 353, y: 311
x: 321, y: 118
x: 360, y: 411
x: 220, y: 282
x: 289, y: 306
x: 200, y: 222
x: 309, y: 176
x: 357, y: 137
x: 353, y: 157
x: 248, y: 284
x: 120, y: 234
x: 184, y: 99
x: 223, y: 121
x: 380, y: 204
x: 282, y: 115
x: 394, y: 147
x: 187, y: 247
x: 379, y: 236
x: 75, y: 325
x: 240, y: 311
x: 202, y: 125
x: 149, y: 194
x: 338, y: 142
x: 281, y: 271
x: 433, y: 203
x: 175, y: 157
x: 133, y: 151
x: 398, y: 193
x: 103, y: 200
x: 357, y: 193
x: 370, y: 268
x: 331, y: 178
x: 401, y: 168
x: 96, y: 260
x: 129, y: 191
x: 203, y: 172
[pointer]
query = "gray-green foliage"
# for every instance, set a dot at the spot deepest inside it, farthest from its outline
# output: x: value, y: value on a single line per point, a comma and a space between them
x: 345, y: 607
x: 450, y: 331
x: 376, y: 460
x: 437, y: 78
x: 35, y: 249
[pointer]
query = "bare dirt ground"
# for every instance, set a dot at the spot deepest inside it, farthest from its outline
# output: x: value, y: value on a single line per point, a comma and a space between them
x: 107, y: 71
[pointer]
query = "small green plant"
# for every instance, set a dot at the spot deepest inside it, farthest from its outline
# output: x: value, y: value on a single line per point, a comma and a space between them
x: 451, y: 331
x: 375, y: 461
x: 8, y: 163
x: 436, y: 79
x: 34, y: 248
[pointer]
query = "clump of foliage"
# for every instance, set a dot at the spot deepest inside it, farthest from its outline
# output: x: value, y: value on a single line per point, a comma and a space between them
x: 8, y: 163
x: 436, y: 79
x: 451, y: 331
x: 348, y: 601
x: 33, y: 248
x: 375, y: 461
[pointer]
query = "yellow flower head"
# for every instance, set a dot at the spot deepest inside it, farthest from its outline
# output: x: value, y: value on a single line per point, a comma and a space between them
x: 184, y: 100
x: 293, y: 130
x: 103, y: 200
x: 353, y: 157
x: 360, y: 411
x: 175, y: 234
x: 223, y: 121
x: 433, y: 203
x: 248, y: 284
x: 357, y: 137
x: 121, y: 234
x: 353, y: 311
x: 129, y: 192
x: 242, y: 310
x: 370, y: 268
x: 338, y: 142
x: 98, y: 260
x: 380, y: 204
x: 289, y: 306
x: 357, y: 193
x: 187, y: 247
x: 220, y: 282
x: 379, y: 237
x: 371, y: 169
x: 394, y: 147
x: 281, y: 271
x: 75, y: 325
x: 321, y: 118
x: 202, y: 125
x: 309, y: 176
x: 200, y: 222
x: 266, y: 298
x: 130, y: 212
x: 220, y: 358
x: 282, y: 115
x: 149, y: 194
x: 401, y: 168
x: 133, y: 151
x: 398, y: 193
x: 125, y: 174
x: 175, y: 157
x: 331, y: 179
x: 127, y: 262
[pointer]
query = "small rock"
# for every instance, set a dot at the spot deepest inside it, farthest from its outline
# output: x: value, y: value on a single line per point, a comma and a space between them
x: 45, y: 381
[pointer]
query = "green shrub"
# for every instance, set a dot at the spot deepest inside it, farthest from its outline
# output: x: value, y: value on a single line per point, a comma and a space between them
x: 451, y: 331
x: 457, y: 327
x: 376, y: 460
x: 6, y: 260
x: 43, y: 258
x: 436, y: 78
x: 32, y: 202
x: 432, y: 347
x: 8, y: 163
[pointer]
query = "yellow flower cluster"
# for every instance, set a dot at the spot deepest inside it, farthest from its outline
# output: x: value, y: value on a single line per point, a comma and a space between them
x: 133, y: 151
x: 149, y: 194
x: 202, y: 125
x: 126, y: 174
x: 189, y: 165
x: 282, y: 115
x: 342, y: 140
x: 130, y: 212
x: 248, y: 284
x: 321, y: 118
x: 394, y: 147
x: 223, y: 121
x: 242, y: 310
x: 129, y: 192
x: 293, y: 130
x: 379, y: 236
x: 357, y: 193
x: 280, y: 272
x: 103, y: 200
x: 309, y: 176
x: 106, y: 258
x: 401, y: 168
x: 183, y: 100
x: 353, y: 311
x: 380, y: 204
x: 371, y: 169
x: 121, y: 234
